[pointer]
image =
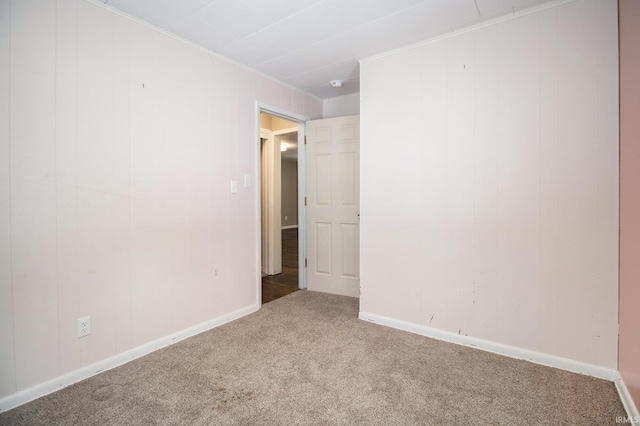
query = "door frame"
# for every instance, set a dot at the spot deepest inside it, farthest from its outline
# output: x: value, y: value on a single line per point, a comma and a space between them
x: 272, y: 236
x: 261, y: 107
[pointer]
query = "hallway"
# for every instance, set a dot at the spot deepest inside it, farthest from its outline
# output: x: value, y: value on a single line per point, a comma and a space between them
x: 277, y: 286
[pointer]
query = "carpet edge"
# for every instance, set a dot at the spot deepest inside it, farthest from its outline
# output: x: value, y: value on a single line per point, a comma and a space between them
x: 27, y: 395
x: 627, y: 401
x: 548, y: 360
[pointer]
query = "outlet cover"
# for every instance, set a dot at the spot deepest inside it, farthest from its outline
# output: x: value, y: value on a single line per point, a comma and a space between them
x: 84, y: 326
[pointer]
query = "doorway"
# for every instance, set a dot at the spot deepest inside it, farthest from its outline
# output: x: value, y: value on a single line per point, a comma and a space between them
x: 279, y: 203
x: 328, y: 225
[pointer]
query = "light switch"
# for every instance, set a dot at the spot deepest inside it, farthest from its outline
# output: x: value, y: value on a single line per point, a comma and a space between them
x: 234, y: 186
x: 247, y: 181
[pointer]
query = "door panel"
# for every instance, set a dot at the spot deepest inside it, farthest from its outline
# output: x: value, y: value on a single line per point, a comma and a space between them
x: 323, y: 179
x: 323, y: 249
x: 333, y: 205
x: 348, y: 178
x: 350, y: 265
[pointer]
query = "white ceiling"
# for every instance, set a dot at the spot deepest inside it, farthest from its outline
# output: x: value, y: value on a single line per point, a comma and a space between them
x: 291, y: 139
x: 308, y: 43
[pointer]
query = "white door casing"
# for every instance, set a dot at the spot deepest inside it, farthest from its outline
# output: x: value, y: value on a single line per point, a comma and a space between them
x: 264, y: 237
x: 270, y: 206
x: 333, y: 205
x: 271, y: 193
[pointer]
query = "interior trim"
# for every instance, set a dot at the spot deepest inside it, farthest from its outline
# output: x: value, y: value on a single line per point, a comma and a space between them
x: 497, y: 348
x: 627, y: 400
x: 60, y: 382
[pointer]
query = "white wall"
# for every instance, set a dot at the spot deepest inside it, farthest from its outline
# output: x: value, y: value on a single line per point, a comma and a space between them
x: 629, y: 346
x: 496, y: 216
x: 341, y: 106
x: 117, y: 145
x: 289, y: 168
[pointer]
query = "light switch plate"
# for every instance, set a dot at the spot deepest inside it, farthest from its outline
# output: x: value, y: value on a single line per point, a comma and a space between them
x: 234, y: 186
x: 247, y: 181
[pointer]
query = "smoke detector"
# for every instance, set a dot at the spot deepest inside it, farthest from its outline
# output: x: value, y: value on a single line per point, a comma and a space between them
x: 336, y: 83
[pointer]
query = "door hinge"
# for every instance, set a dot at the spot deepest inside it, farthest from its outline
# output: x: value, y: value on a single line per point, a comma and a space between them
x: 305, y: 262
x: 305, y: 201
x: 305, y: 139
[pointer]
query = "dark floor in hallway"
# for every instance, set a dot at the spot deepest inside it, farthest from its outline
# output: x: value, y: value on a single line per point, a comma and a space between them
x: 277, y: 286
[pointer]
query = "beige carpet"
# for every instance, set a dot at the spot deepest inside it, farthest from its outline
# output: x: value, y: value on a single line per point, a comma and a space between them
x: 306, y: 359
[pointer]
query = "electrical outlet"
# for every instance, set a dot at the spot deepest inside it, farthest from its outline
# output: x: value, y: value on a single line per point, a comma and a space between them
x: 84, y: 326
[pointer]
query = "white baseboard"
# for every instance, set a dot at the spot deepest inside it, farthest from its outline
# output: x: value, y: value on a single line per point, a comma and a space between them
x: 75, y: 376
x: 498, y: 348
x: 627, y: 401
x: 289, y: 227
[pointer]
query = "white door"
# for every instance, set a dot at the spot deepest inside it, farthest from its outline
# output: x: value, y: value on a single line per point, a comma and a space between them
x: 333, y: 205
